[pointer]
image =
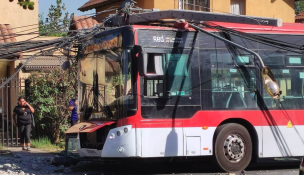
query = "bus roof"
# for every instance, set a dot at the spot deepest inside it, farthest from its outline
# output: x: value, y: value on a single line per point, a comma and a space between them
x: 287, y: 28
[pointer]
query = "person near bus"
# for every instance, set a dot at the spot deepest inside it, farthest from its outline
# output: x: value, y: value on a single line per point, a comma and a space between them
x: 24, y: 112
x: 73, y: 105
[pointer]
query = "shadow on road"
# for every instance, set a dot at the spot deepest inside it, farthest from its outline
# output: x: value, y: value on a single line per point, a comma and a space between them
x: 202, y: 167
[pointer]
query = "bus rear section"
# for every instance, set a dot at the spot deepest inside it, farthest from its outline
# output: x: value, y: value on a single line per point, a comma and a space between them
x: 157, y: 92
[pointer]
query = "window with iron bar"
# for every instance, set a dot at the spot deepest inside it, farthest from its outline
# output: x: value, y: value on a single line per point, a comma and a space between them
x: 198, y: 5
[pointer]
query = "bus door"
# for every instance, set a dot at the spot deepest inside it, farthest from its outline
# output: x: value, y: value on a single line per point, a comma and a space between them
x: 283, y: 121
x: 169, y: 93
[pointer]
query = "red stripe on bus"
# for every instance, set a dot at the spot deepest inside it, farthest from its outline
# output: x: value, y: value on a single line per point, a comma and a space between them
x: 215, y: 118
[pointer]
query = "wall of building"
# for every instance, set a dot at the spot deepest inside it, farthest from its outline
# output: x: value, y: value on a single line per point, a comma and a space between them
x: 273, y: 9
x: 104, y: 15
x: 146, y: 4
x: 3, y: 69
x: 283, y: 9
x: 159, y: 4
x: 220, y: 6
x: 13, y: 14
x: 23, y: 22
x: 166, y: 4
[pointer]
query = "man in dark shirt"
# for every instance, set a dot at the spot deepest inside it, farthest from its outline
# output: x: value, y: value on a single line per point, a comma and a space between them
x: 73, y: 106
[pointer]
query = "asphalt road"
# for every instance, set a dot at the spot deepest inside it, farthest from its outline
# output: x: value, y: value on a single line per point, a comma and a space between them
x: 187, y: 168
x: 168, y: 166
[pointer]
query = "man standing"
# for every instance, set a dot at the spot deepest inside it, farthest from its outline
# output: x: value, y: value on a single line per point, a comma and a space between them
x: 73, y: 105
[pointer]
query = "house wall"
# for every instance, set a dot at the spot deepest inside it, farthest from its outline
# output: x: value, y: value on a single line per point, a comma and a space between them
x: 103, y: 15
x: 220, y: 6
x: 271, y: 9
x: 13, y: 14
x: 283, y: 9
x: 22, y: 22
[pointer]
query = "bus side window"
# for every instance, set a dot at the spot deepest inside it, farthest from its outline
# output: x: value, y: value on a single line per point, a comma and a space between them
x: 232, y: 89
x: 153, y: 87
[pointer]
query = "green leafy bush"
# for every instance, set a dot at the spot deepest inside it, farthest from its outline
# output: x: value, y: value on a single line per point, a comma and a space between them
x: 49, y: 94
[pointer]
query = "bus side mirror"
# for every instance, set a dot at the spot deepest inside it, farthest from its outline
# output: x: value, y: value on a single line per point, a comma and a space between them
x: 149, y: 64
x: 142, y: 60
x: 271, y: 85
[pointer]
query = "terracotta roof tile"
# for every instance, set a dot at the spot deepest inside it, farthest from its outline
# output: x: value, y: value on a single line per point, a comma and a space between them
x: 300, y: 17
x: 6, y: 34
x: 90, y: 4
x: 46, y: 62
x: 82, y: 22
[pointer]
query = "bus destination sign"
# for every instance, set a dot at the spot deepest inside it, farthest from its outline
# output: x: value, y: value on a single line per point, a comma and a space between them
x: 157, y: 38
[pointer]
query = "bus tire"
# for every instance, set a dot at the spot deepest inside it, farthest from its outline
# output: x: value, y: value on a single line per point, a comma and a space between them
x: 233, y: 147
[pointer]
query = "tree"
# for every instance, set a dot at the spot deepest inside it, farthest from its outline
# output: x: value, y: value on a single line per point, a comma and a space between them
x: 56, y: 23
x: 49, y: 94
x: 299, y: 7
x: 26, y: 4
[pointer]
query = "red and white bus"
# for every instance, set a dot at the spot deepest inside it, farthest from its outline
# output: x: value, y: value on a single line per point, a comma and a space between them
x: 156, y: 91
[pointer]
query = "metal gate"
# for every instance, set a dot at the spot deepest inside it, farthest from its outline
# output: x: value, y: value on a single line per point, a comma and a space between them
x: 9, y: 94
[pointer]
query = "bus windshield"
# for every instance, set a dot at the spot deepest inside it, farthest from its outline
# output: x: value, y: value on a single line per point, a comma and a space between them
x: 105, y: 84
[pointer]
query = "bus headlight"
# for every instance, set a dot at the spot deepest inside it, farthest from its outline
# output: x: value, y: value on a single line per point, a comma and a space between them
x: 120, y: 149
x: 125, y: 130
x: 112, y: 136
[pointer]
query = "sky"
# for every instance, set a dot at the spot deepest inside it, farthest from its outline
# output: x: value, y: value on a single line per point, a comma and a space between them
x: 71, y: 6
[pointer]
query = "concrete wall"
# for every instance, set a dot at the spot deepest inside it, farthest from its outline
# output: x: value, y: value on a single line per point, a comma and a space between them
x: 283, y: 9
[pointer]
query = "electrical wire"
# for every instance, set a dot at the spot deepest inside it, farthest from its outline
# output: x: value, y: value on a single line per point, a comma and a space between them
x: 57, y: 43
x: 235, y: 32
x: 78, y: 21
x: 260, y: 39
x: 13, y: 52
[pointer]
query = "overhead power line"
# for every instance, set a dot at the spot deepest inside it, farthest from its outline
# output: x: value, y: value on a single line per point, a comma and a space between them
x: 54, y: 44
x: 52, y: 32
x: 292, y: 47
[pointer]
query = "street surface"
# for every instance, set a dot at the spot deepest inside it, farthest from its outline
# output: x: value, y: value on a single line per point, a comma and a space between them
x: 15, y: 161
x: 193, y: 169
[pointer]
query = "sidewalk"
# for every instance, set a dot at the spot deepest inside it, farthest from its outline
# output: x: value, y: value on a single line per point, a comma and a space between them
x: 33, y: 153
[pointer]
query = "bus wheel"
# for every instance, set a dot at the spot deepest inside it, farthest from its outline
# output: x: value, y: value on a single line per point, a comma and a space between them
x: 233, y: 147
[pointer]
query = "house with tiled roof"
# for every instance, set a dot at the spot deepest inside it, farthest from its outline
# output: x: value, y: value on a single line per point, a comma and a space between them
x: 7, y: 37
x: 16, y: 25
x: 283, y: 9
x: 300, y: 17
x: 82, y: 22
x: 19, y: 28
